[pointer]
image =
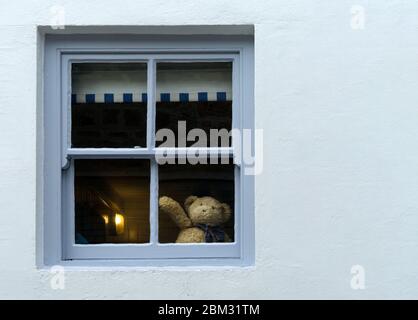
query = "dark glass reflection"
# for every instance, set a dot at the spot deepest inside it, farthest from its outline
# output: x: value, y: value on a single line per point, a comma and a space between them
x: 111, y: 201
x: 178, y: 181
x: 197, y: 93
x: 109, y: 105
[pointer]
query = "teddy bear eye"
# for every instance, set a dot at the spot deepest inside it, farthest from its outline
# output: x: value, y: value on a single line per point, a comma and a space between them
x: 213, y: 207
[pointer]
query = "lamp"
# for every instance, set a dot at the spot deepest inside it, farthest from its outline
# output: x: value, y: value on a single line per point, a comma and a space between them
x: 116, y: 222
x: 119, y: 223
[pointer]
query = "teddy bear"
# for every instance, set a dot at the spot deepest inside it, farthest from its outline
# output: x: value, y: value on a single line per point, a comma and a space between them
x: 200, y: 220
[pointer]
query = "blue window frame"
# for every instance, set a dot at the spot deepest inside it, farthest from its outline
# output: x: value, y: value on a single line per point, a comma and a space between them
x: 59, y: 240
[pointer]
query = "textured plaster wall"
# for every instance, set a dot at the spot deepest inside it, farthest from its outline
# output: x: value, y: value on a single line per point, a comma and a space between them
x: 339, y: 111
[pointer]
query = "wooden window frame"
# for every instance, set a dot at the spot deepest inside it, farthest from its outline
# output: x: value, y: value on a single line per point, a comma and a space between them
x: 58, y: 223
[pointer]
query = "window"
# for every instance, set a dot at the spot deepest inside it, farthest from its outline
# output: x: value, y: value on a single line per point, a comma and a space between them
x: 132, y: 122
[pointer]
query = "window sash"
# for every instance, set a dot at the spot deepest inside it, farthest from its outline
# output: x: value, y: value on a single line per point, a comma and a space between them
x: 153, y: 249
x: 151, y: 59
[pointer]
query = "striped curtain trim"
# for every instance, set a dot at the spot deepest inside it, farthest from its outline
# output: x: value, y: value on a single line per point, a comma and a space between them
x: 142, y: 97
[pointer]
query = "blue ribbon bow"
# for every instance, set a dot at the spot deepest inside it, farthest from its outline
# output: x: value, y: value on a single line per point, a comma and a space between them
x: 212, y: 234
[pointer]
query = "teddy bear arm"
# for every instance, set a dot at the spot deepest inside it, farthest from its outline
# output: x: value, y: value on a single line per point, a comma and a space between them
x: 174, y: 210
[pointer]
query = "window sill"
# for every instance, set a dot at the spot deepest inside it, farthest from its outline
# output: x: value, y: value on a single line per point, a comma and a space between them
x: 153, y: 265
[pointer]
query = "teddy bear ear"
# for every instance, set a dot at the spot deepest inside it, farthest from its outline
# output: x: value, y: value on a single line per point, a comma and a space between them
x: 189, y: 200
x: 227, y: 212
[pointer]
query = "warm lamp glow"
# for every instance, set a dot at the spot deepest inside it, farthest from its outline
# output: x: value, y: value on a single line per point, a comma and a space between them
x: 120, y: 223
x: 105, y: 218
x: 118, y: 219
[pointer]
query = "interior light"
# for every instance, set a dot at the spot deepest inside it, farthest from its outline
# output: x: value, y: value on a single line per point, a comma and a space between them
x: 120, y: 223
x: 106, y: 218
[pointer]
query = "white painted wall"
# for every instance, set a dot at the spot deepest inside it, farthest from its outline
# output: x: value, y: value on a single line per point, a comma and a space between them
x: 339, y: 111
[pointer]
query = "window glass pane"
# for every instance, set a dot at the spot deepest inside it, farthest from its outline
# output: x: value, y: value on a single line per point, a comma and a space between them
x: 207, y: 217
x: 108, y: 106
x: 112, y: 201
x: 200, y: 94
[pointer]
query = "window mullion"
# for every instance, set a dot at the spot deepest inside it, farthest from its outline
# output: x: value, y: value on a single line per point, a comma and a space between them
x: 154, y: 202
x: 151, y: 89
x: 151, y: 84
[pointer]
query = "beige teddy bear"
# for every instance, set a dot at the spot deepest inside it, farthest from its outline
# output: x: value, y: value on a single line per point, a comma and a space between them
x: 201, y: 221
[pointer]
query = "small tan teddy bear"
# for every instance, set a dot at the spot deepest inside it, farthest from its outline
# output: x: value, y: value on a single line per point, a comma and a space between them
x: 201, y: 221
